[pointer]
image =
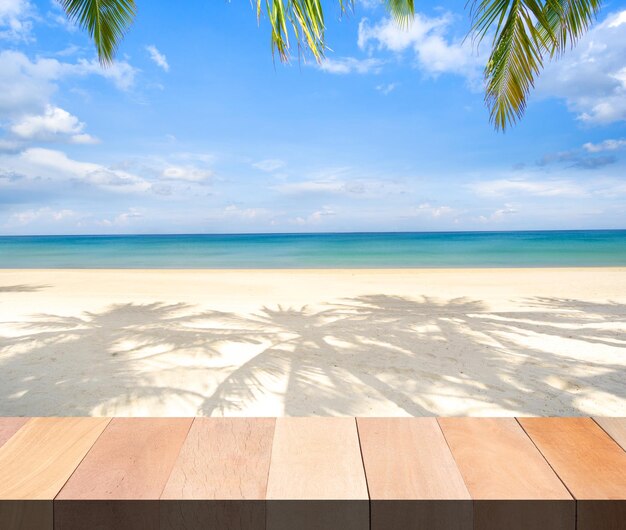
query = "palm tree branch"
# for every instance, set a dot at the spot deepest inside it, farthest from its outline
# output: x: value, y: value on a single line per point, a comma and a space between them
x: 568, y: 20
x: 106, y: 21
x: 515, y: 60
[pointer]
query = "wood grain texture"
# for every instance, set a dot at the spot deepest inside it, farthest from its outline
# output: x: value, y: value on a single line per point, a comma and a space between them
x: 500, y: 463
x: 590, y: 463
x: 8, y: 427
x: 120, y: 481
x: 38, y: 459
x: 316, y: 479
x: 220, y: 477
x: 412, y: 477
x: 615, y: 428
x: 35, y: 463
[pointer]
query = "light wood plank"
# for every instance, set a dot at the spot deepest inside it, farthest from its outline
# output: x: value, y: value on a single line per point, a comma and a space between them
x: 412, y: 477
x: 316, y: 478
x: 590, y: 463
x: 35, y: 463
x: 616, y: 429
x: 8, y: 427
x: 220, y: 477
x: 119, y: 482
x: 511, y: 483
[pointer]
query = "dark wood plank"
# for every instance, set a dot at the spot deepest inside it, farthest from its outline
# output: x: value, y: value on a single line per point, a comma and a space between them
x: 35, y: 463
x: 590, y: 463
x: 512, y: 485
x: 615, y: 428
x: 220, y: 477
x: 120, y: 481
x: 8, y: 427
x: 316, y: 478
x: 412, y: 477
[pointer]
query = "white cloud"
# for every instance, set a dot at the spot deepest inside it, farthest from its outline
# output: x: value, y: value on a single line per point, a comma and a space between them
x: 428, y: 39
x: 237, y: 212
x: 120, y: 73
x: 606, y: 145
x: 26, y: 86
x: 386, y: 89
x: 121, y: 220
x: 541, y: 188
x: 434, y: 211
x: 332, y: 182
x: 53, y: 122
x: 15, y: 19
x: 350, y: 65
x: 158, y: 58
x: 187, y: 173
x: 46, y: 214
x: 499, y: 214
x: 317, y: 216
x: 591, y: 78
x: 8, y: 145
x: 36, y: 162
x: 269, y: 165
x: 326, y: 186
x: 369, y: 4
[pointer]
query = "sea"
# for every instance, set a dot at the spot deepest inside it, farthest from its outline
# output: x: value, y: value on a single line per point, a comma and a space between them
x: 575, y: 248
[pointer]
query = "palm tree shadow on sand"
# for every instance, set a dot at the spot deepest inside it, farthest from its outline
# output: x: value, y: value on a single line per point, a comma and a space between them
x: 377, y: 354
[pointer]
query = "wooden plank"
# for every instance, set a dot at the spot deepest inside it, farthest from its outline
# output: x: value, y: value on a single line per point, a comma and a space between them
x: 615, y: 428
x: 8, y: 427
x: 412, y: 477
x: 120, y: 481
x: 316, y: 478
x: 512, y: 485
x: 35, y: 463
x: 220, y: 477
x: 590, y: 463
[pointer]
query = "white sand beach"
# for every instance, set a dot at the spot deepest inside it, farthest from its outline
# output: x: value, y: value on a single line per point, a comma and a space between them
x: 490, y: 342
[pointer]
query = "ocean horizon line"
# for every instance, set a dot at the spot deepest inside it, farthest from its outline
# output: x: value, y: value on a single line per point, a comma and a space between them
x: 348, y: 232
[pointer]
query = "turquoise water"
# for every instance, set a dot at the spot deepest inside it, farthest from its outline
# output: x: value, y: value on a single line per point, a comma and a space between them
x: 366, y: 250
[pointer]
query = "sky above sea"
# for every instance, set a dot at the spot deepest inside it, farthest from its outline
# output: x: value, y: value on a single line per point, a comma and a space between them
x: 198, y: 129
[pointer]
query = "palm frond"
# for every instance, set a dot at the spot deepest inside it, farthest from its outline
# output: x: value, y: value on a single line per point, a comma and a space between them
x: 515, y: 60
x: 401, y: 10
x: 525, y: 31
x: 106, y: 21
x: 568, y: 20
x: 302, y: 18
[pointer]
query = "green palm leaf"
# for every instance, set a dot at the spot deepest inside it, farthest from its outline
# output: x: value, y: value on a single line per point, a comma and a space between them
x: 568, y: 20
x: 106, y: 21
x: 402, y: 10
x: 515, y: 59
x: 525, y: 32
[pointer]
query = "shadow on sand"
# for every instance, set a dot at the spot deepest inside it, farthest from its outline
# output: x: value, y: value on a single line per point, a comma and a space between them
x: 25, y: 288
x: 418, y: 356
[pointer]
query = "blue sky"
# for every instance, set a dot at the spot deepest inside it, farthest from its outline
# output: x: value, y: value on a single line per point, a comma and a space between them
x: 196, y: 128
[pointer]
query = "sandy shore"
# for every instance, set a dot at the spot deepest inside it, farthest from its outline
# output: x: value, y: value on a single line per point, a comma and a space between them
x: 331, y: 342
